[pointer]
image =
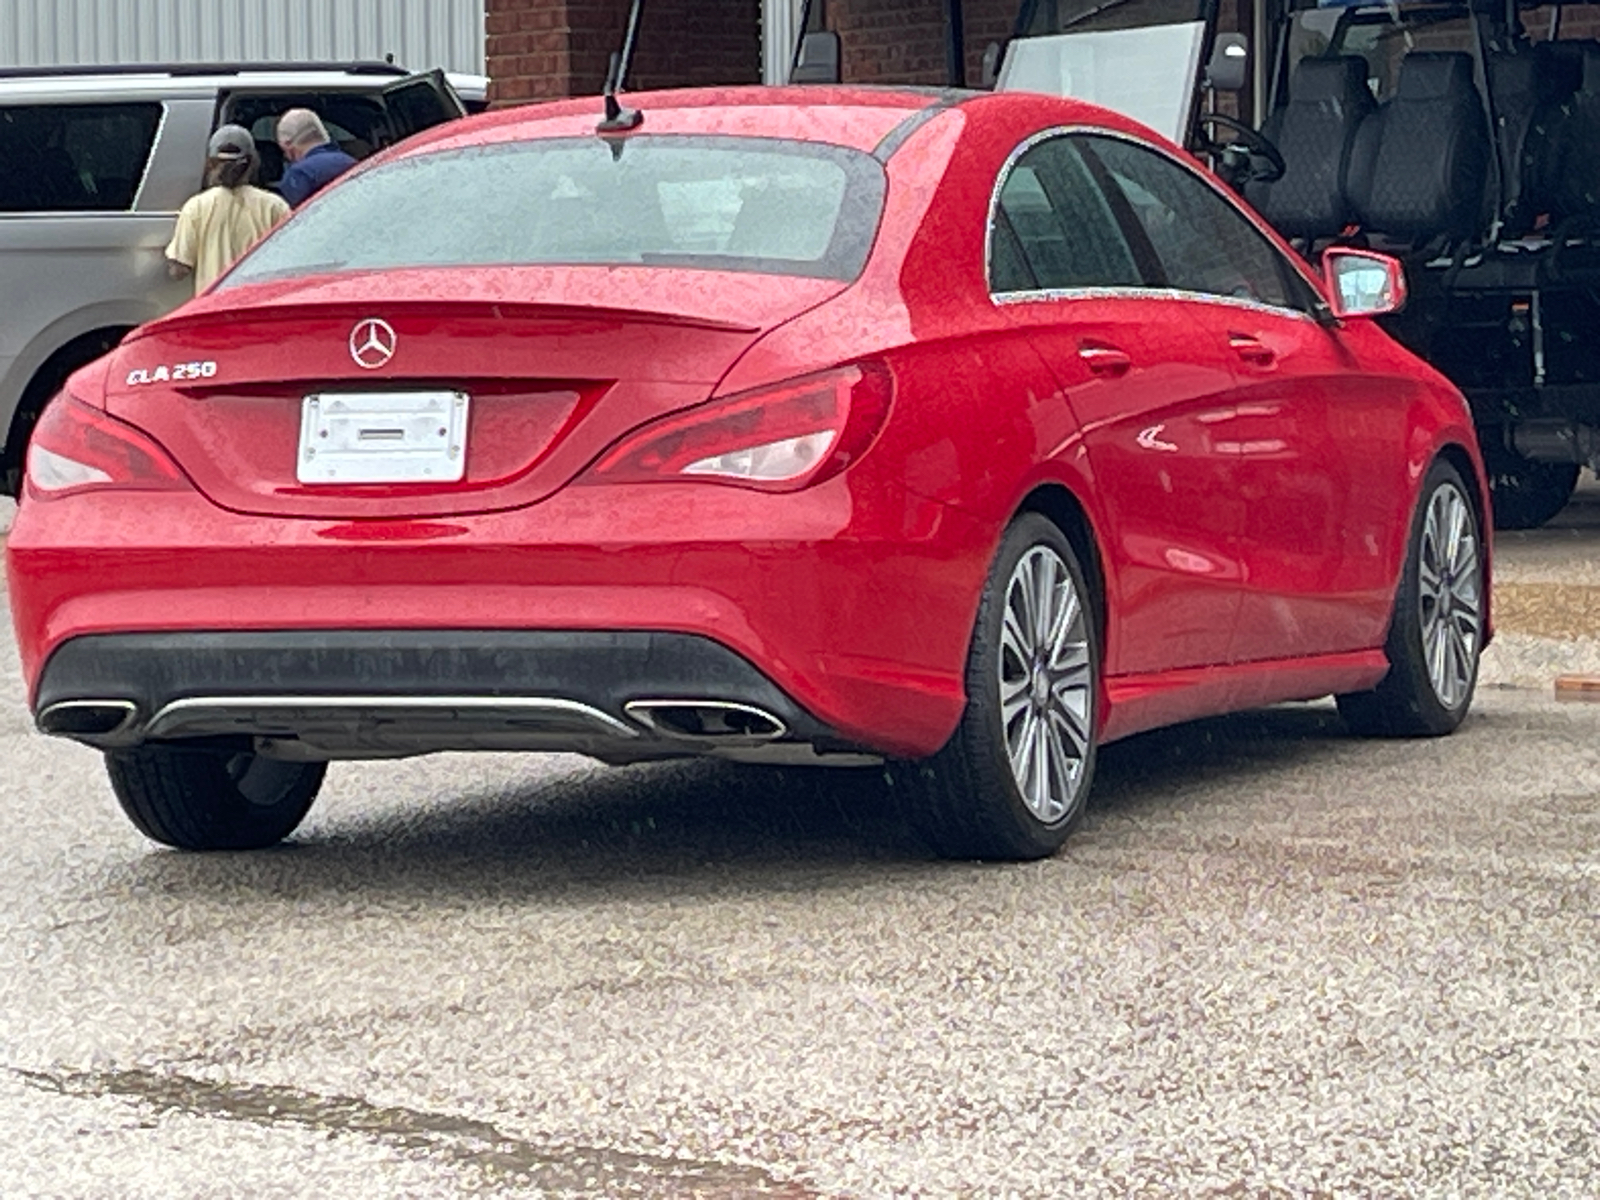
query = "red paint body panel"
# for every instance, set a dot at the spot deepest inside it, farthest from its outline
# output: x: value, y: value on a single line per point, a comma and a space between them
x: 1248, y: 522
x: 523, y: 342
x: 1154, y: 437
x: 797, y: 583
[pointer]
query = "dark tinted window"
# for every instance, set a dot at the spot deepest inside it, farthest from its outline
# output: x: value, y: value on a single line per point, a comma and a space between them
x: 417, y: 106
x: 1053, y: 227
x: 74, y: 157
x: 1203, y: 244
x: 721, y: 203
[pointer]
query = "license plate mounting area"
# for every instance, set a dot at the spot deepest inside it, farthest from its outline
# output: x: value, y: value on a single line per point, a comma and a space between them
x: 382, y: 437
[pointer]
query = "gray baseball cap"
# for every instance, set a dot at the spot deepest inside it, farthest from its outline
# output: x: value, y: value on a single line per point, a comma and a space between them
x: 231, y: 142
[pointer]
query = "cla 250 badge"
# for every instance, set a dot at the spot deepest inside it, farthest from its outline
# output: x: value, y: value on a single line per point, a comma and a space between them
x: 176, y: 373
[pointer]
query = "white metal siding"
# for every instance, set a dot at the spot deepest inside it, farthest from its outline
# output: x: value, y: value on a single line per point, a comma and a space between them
x: 421, y: 34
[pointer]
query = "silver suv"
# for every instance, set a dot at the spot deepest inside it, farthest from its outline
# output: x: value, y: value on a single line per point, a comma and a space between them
x: 94, y: 164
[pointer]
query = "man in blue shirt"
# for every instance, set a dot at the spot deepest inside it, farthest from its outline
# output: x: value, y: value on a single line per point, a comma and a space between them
x: 314, y: 161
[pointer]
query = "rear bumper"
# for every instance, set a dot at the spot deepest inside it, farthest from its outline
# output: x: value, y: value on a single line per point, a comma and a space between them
x: 364, y: 694
x: 854, y: 602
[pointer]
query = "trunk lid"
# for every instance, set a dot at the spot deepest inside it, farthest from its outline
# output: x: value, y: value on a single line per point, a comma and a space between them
x: 557, y: 363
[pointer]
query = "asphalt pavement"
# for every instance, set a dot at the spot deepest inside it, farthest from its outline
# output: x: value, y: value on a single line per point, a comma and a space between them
x: 1276, y: 961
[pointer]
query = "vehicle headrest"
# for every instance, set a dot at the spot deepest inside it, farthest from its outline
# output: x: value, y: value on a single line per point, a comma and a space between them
x: 1435, y: 75
x: 1529, y: 76
x: 1318, y: 79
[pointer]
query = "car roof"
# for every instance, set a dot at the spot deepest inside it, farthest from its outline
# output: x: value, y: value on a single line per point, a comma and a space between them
x: 852, y: 116
x: 857, y: 117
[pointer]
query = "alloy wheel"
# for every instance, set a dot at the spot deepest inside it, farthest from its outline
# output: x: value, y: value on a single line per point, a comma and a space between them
x: 1046, y: 686
x: 1450, y: 595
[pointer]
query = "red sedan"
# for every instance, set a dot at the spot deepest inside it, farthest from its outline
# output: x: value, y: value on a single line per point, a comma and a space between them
x: 965, y: 432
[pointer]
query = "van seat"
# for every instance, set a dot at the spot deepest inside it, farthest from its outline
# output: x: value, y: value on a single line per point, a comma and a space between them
x: 1314, y: 131
x: 1420, y: 165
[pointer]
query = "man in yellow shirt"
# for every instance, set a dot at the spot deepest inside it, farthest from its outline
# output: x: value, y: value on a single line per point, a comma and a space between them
x: 222, y: 222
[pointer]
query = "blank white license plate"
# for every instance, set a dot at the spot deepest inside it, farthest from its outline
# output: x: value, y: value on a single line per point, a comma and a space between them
x: 383, y: 437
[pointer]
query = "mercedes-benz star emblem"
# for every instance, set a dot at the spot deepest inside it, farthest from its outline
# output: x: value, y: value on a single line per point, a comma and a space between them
x: 372, y: 343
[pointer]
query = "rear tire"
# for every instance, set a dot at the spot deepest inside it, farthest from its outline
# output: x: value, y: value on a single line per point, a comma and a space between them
x: 1436, y: 633
x: 1526, y: 494
x: 205, y: 798
x: 1012, y: 782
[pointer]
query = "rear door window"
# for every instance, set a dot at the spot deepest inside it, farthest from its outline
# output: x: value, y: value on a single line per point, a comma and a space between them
x: 1202, y: 243
x: 1052, y: 228
x: 74, y: 157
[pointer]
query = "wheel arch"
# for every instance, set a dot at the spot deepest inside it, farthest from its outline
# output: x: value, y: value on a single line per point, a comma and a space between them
x: 1057, y: 503
x: 1459, y: 457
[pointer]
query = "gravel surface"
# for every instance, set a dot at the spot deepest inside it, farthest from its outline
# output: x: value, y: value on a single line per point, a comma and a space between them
x: 1275, y: 961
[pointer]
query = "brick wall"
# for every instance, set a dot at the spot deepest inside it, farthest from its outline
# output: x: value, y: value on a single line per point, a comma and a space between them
x: 890, y: 41
x: 541, y: 49
x: 526, y: 52
x: 1578, y: 21
x: 986, y: 21
x: 903, y: 41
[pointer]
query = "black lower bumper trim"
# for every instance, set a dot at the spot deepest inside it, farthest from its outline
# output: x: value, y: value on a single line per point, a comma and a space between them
x: 355, y: 692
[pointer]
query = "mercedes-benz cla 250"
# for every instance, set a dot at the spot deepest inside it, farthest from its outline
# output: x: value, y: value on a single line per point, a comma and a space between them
x: 963, y: 433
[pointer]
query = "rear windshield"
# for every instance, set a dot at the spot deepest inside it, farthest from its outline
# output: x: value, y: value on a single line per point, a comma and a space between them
x: 720, y: 203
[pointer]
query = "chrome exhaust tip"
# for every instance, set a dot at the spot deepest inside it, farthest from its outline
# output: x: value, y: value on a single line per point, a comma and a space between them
x: 98, y: 719
x: 709, y: 721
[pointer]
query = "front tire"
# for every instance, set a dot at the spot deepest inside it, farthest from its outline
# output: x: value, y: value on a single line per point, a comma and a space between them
x: 206, y: 798
x: 1436, y: 633
x: 1012, y: 782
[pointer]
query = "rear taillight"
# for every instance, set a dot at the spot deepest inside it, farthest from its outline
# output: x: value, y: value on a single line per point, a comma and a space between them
x: 779, y: 438
x: 76, y: 446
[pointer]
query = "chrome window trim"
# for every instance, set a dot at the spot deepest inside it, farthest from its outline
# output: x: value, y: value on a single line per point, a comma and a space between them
x: 1109, y: 293
x: 1000, y: 299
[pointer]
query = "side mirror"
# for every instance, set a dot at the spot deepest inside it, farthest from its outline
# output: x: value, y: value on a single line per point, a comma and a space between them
x: 1230, y: 54
x: 1363, y: 283
x: 819, y: 59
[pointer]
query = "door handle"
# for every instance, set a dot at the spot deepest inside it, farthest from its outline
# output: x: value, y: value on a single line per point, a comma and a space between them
x: 1252, y: 349
x: 1104, y: 360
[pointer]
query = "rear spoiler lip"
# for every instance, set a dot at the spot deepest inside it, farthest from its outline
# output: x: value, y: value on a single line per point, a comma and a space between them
x: 288, y: 310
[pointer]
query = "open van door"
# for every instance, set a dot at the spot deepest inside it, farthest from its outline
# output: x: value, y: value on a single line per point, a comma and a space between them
x: 419, y: 102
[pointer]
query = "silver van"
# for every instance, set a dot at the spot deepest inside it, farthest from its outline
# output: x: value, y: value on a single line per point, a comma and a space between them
x: 96, y: 161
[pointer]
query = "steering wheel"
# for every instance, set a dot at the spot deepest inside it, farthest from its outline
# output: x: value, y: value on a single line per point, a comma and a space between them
x: 1247, y: 158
